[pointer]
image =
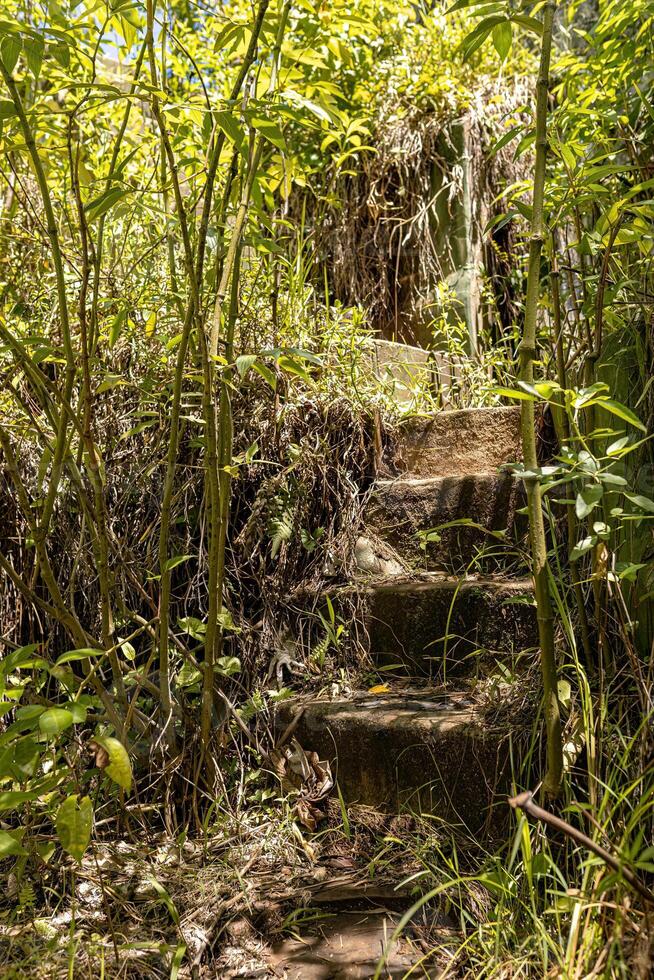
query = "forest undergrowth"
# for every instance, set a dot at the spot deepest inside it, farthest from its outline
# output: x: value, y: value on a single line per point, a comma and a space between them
x: 208, y: 217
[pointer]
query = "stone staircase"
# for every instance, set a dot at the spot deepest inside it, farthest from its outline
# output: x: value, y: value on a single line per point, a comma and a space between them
x: 422, y: 742
x: 426, y: 746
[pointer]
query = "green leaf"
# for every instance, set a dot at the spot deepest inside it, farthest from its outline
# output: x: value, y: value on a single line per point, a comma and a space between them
x: 270, y: 129
x: 100, y: 205
x: 175, y: 561
x: 7, y: 109
x: 616, y: 408
x: 23, y: 657
x: 267, y: 375
x: 195, y: 627
x: 77, y: 710
x: 34, y: 49
x: 53, y: 721
x: 244, y: 363
x: 629, y: 571
x: 13, y: 799
x: 291, y: 366
x: 529, y: 23
x: 564, y: 690
x: 644, y: 503
x: 82, y: 654
x: 584, y: 545
x: 116, y: 326
x: 9, y: 51
x: 502, y: 38
x: 225, y: 621
x: 114, y: 760
x: 514, y: 393
x: 230, y: 126
x: 617, y: 446
x: 9, y: 846
x: 228, y: 666
x: 74, y: 823
x: 588, y: 499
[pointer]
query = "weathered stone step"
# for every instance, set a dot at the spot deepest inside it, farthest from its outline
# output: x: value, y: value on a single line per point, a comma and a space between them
x: 347, y: 945
x: 440, y: 621
x: 401, y: 507
x: 407, y: 370
x: 460, y: 443
x: 415, y: 750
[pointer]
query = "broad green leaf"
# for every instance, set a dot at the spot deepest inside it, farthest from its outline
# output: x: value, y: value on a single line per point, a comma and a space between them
x: 228, y: 666
x: 194, y: 626
x: 244, y: 363
x: 616, y: 408
x: 12, y: 799
x: 77, y: 710
x: 34, y: 49
x: 100, y: 205
x: 617, y: 446
x: 55, y: 720
x: 629, y: 571
x: 643, y: 503
x: 7, y: 109
x: 20, y: 759
x: 270, y: 129
x: 23, y: 657
x: 74, y: 823
x: 565, y: 693
x: 502, y: 38
x: 10, y: 50
x: 267, y: 375
x: 82, y: 654
x: 584, y: 545
x: 230, y: 126
x: 111, y: 756
x: 224, y: 620
x: 588, y: 499
x: 9, y: 845
x: 188, y: 675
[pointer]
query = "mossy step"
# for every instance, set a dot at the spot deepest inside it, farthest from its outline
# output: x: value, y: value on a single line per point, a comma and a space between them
x: 460, y: 443
x: 415, y: 750
x: 442, y: 622
x: 401, y: 507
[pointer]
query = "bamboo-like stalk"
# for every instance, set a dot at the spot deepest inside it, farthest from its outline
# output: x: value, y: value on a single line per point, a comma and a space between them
x: 528, y: 354
x: 93, y: 457
x: 219, y: 435
x: 191, y: 311
x: 99, y: 248
x: 194, y: 266
x: 564, y: 430
x: 62, y: 434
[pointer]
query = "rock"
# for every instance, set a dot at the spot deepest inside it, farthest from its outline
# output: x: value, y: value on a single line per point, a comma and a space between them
x: 370, y: 561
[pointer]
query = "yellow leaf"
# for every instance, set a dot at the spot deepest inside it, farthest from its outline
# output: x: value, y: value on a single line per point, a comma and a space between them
x: 379, y: 689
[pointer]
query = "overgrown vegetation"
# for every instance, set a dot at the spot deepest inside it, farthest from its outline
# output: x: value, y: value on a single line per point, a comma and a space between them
x: 208, y: 216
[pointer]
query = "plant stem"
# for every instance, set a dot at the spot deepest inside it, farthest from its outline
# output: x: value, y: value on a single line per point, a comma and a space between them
x: 564, y: 435
x: 528, y: 354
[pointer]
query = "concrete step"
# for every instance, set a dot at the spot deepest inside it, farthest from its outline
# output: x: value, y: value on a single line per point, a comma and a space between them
x: 401, y: 507
x: 419, y: 750
x: 438, y: 623
x: 460, y: 443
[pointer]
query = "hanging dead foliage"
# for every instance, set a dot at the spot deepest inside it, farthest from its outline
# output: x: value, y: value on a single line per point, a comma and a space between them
x: 394, y: 233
